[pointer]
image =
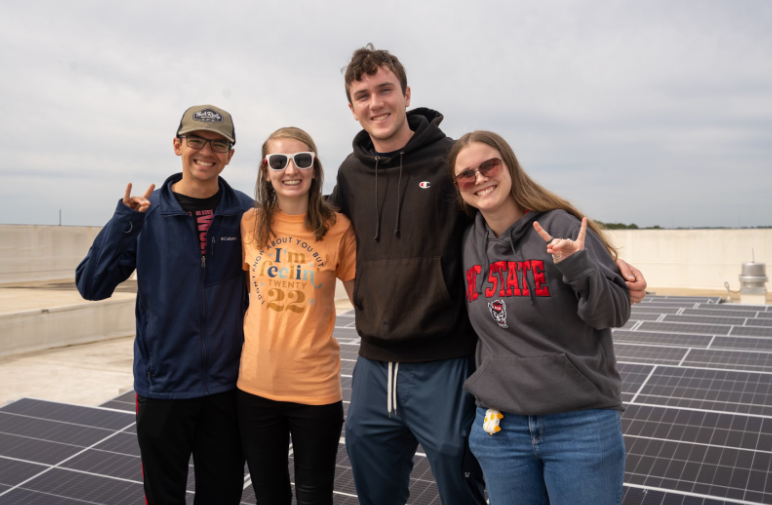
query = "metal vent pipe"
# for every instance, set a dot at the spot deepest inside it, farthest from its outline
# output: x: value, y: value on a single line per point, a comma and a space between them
x: 753, y: 281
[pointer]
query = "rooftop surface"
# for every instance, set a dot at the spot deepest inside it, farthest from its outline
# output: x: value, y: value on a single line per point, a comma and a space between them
x: 697, y: 382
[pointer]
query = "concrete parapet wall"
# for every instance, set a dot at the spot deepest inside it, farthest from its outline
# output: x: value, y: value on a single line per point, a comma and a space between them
x: 41, y: 253
x: 696, y: 259
x: 33, y: 330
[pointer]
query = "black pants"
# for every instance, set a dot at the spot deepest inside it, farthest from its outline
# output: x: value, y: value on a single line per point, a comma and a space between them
x: 169, y: 431
x: 266, y: 426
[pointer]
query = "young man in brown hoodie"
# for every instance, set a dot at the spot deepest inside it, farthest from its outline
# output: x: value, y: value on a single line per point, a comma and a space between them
x: 417, y: 345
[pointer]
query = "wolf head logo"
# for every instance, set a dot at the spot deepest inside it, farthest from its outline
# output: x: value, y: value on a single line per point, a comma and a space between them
x: 499, y: 312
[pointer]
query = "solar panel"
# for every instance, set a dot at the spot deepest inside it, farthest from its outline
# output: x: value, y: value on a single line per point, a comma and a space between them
x: 633, y: 377
x: 740, y: 343
x: 668, y: 306
x: 656, y: 338
x: 649, y: 354
x: 645, y: 309
x: 704, y: 329
x: 735, y: 360
x: 695, y: 299
x: 705, y: 389
x: 682, y: 318
x: 644, y: 496
x: 751, y: 331
x: 736, y: 308
x: 706, y: 453
x: 720, y: 310
x: 643, y: 316
x: 697, y: 382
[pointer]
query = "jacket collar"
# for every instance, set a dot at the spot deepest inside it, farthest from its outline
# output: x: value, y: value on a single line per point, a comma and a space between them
x: 169, y: 206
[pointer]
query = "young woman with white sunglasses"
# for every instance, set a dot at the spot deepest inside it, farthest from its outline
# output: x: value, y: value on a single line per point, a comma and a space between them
x: 295, y: 246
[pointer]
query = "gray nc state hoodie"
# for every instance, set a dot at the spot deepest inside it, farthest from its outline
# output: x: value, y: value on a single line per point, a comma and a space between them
x: 544, y: 328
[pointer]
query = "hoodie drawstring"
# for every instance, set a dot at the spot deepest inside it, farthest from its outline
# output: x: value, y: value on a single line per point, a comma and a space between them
x: 391, y: 390
x: 531, y: 294
x: 377, y: 207
x: 486, y: 264
x: 399, y: 201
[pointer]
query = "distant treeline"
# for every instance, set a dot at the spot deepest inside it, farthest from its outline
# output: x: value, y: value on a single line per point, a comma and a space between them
x: 623, y: 226
x: 633, y: 226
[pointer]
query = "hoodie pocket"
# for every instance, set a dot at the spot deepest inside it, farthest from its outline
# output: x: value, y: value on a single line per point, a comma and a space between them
x: 532, y: 386
x: 402, y: 298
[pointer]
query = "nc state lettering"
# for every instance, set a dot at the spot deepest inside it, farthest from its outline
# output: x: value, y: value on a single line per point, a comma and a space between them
x: 508, y: 278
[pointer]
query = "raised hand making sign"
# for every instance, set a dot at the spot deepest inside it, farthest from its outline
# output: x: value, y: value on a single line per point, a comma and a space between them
x: 138, y: 203
x: 562, y: 248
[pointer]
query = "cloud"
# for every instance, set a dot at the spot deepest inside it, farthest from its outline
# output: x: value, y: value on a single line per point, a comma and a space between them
x: 650, y: 112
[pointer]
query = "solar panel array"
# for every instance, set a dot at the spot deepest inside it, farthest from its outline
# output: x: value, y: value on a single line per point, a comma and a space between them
x: 697, y: 382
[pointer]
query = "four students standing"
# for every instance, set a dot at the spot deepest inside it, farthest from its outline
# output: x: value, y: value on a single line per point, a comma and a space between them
x: 417, y: 347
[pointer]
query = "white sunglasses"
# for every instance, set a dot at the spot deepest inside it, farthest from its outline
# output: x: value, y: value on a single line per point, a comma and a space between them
x: 279, y: 161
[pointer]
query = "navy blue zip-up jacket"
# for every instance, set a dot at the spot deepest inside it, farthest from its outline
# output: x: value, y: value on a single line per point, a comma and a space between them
x: 189, y: 310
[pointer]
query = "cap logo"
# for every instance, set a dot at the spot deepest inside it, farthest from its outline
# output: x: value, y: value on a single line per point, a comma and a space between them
x: 208, y: 116
x: 424, y: 185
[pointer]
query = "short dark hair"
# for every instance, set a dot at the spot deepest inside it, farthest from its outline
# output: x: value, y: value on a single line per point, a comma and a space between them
x: 367, y: 60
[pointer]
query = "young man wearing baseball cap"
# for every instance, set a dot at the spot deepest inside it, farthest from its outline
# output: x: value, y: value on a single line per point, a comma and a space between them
x: 183, y: 239
x: 417, y: 343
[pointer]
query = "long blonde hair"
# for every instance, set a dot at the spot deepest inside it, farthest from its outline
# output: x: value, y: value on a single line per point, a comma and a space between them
x: 527, y: 193
x: 320, y: 216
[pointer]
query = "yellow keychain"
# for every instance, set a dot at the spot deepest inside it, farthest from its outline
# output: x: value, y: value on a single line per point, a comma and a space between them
x: 491, y: 422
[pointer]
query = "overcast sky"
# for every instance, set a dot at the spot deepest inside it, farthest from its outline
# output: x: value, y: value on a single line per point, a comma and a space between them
x: 654, y: 112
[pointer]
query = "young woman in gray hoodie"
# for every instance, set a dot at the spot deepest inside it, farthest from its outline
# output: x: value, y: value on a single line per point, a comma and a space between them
x: 542, y: 293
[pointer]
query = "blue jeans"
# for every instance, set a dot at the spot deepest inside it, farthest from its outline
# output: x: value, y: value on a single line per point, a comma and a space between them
x: 573, y: 458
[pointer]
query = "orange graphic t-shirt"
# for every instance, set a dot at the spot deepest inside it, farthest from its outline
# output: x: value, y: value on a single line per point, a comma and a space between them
x: 289, y: 353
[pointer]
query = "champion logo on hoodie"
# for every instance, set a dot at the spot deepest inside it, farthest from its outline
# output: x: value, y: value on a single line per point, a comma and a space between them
x: 424, y: 185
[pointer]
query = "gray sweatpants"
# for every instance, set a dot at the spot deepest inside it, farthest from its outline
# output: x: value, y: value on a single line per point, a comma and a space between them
x: 427, y: 406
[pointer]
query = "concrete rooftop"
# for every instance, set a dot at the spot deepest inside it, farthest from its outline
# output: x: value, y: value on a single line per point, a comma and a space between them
x: 85, y: 374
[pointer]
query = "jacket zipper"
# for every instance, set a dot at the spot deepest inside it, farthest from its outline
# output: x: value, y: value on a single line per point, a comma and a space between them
x: 203, y: 321
x: 203, y: 308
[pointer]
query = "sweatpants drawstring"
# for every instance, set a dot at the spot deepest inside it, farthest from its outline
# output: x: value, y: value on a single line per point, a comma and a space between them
x: 391, y: 389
